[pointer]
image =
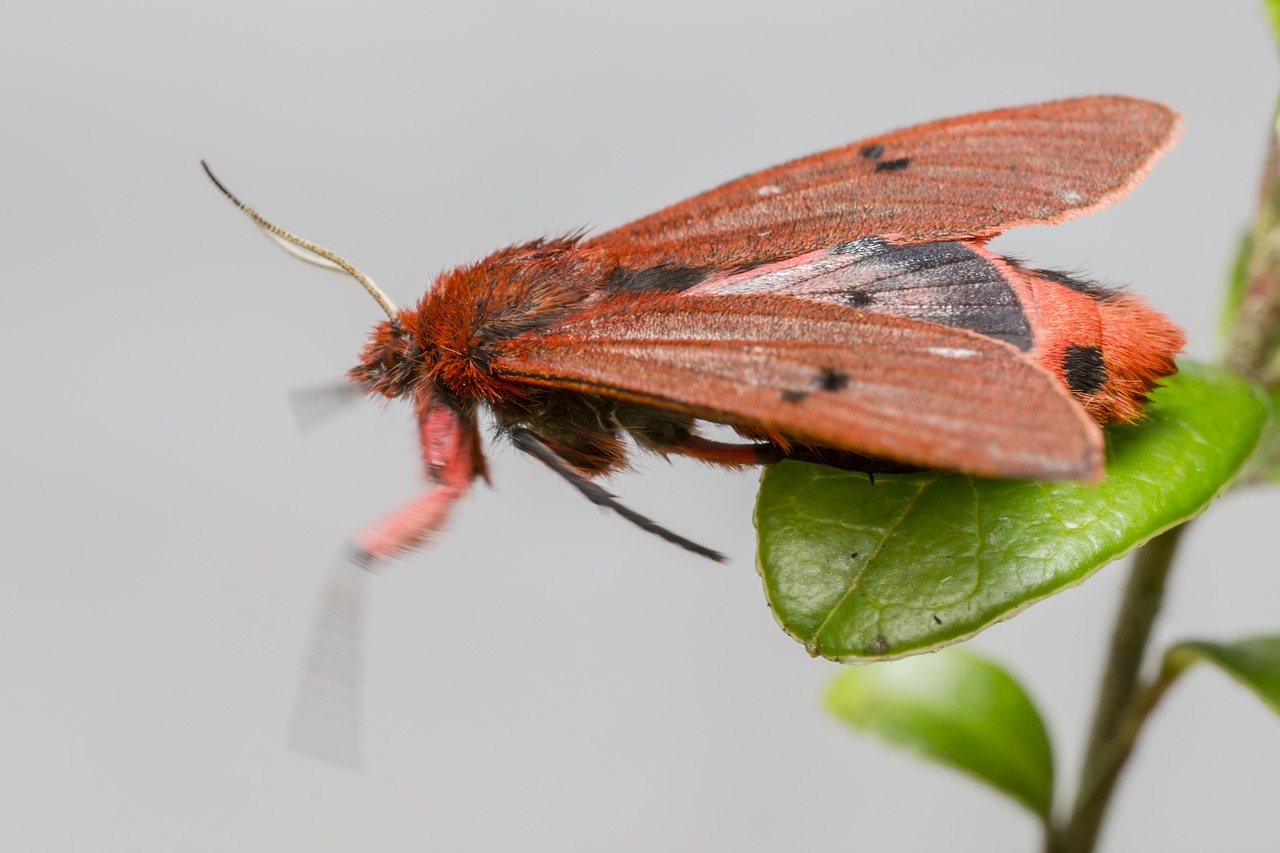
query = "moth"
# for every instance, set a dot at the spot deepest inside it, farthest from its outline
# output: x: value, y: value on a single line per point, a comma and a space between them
x: 842, y: 308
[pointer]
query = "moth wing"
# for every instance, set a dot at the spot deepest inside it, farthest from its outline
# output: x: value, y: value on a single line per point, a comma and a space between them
x: 971, y: 176
x: 824, y: 375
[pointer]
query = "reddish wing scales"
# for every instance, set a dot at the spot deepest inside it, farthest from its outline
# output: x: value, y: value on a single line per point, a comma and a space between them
x: 975, y: 175
x: 837, y: 377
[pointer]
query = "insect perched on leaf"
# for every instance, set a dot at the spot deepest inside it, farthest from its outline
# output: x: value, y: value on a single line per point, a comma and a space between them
x: 841, y: 308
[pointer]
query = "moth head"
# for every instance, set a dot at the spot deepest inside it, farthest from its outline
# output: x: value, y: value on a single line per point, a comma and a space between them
x: 391, y: 363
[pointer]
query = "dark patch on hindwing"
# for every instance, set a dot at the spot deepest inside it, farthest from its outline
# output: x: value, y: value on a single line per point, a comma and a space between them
x: 946, y: 283
x: 663, y: 278
x: 790, y: 396
x: 896, y: 165
x: 863, y: 247
x: 872, y: 152
x: 1084, y: 368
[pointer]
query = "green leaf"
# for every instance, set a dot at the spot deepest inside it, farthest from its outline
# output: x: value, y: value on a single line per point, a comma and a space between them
x: 958, y: 709
x: 1254, y: 662
x: 1273, y: 10
x: 862, y: 570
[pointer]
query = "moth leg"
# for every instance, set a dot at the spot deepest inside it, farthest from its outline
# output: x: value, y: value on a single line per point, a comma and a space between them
x: 668, y: 432
x: 733, y: 455
x: 727, y: 454
x: 405, y: 527
x: 844, y: 459
x: 533, y: 444
x: 451, y: 456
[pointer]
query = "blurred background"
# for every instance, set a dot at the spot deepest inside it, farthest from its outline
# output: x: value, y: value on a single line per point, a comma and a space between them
x: 545, y: 676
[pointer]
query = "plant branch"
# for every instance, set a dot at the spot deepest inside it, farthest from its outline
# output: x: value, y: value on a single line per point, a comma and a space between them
x: 1253, y: 343
x: 1251, y: 347
x: 1122, y: 704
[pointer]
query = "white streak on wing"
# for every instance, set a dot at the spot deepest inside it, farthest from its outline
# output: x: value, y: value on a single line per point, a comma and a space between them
x: 954, y: 352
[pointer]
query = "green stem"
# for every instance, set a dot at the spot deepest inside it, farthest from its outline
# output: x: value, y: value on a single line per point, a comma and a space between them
x: 1253, y: 347
x: 1122, y: 704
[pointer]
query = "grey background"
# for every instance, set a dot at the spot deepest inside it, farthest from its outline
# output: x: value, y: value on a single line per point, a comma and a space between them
x: 544, y: 677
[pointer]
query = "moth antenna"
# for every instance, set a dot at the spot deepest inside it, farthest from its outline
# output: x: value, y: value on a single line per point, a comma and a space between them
x: 529, y: 441
x: 302, y: 248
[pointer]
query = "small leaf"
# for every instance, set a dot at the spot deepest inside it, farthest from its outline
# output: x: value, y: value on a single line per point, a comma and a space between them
x: 1273, y: 10
x: 957, y: 709
x: 1254, y: 662
x: 862, y: 570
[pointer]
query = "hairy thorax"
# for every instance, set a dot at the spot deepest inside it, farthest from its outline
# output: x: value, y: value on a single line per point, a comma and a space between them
x: 443, y: 347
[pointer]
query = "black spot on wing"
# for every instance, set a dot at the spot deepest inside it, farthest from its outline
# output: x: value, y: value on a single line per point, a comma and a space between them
x: 896, y: 165
x: 663, y: 278
x: 872, y: 152
x: 831, y: 379
x: 789, y: 396
x: 1084, y: 368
